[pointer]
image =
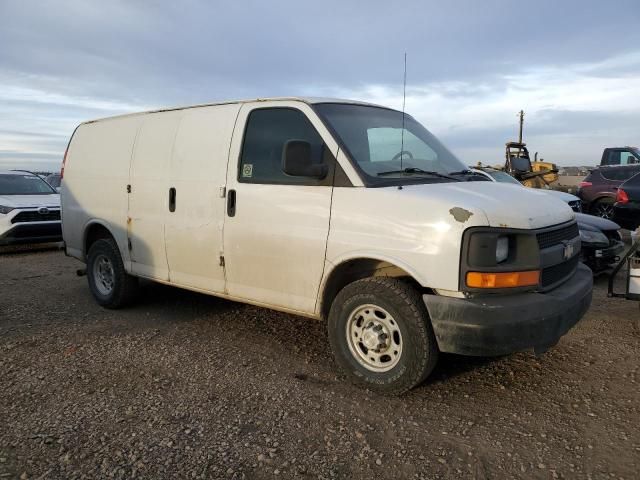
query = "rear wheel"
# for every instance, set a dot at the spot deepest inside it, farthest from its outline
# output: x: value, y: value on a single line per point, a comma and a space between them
x: 381, y: 335
x: 109, y: 283
x: 603, y: 208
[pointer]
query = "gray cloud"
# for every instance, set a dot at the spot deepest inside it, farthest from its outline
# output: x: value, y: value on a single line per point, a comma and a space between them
x: 65, y: 62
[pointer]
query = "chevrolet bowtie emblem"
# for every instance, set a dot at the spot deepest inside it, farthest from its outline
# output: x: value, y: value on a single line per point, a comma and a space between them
x: 568, y: 250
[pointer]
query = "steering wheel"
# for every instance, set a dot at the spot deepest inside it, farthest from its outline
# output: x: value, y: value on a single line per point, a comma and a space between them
x: 399, y: 155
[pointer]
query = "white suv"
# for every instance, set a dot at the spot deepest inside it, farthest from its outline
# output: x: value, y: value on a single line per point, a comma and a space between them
x: 29, y: 209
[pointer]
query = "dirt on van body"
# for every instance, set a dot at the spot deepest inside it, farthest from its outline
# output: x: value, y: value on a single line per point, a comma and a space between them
x: 183, y: 385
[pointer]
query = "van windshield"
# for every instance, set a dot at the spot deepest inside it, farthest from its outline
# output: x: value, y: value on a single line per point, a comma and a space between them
x: 26, y: 184
x: 384, y: 152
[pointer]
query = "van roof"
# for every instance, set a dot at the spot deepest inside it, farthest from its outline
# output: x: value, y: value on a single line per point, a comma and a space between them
x: 308, y: 100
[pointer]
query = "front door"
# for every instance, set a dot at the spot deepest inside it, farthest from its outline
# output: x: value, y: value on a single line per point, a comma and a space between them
x: 276, y: 228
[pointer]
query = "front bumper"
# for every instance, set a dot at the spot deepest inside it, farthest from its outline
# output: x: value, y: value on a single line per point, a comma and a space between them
x: 35, y: 232
x: 502, y: 324
x: 598, y: 259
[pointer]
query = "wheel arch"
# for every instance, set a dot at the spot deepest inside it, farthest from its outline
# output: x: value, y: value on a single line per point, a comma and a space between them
x: 348, y: 270
x: 95, y: 230
x: 604, y: 196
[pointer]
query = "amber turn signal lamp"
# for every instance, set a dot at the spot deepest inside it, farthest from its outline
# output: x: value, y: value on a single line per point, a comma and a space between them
x: 503, y: 279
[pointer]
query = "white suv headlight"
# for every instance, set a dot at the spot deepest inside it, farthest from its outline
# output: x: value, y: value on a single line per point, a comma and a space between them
x: 4, y: 210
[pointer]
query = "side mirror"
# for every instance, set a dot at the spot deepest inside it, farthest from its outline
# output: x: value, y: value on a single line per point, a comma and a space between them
x: 296, y: 160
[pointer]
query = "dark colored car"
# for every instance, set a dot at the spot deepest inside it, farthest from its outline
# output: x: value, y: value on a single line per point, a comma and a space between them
x: 598, y: 190
x: 601, y: 241
x: 626, y: 210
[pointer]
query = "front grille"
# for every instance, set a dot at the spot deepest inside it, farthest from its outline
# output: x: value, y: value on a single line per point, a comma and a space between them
x: 35, y: 216
x: 557, y: 273
x: 35, y: 231
x: 554, y: 237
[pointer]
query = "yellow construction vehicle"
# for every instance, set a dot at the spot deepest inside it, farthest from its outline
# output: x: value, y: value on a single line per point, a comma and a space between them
x: 518, y: 164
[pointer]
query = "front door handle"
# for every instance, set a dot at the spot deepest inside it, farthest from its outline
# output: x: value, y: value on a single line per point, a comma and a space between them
x: 231, y: 203
x: 172, y: 199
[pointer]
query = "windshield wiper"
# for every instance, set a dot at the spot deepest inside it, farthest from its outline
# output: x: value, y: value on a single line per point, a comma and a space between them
x: 470, y: 173
x: 418, y: 171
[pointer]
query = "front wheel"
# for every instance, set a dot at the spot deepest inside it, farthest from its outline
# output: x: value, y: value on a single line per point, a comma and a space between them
x: 109, y: 283
x: 381, y: 336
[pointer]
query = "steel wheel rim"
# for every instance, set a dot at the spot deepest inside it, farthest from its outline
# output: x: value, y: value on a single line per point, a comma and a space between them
x: 374, y: 338
x: 103, y: 274
x: 604, y: 210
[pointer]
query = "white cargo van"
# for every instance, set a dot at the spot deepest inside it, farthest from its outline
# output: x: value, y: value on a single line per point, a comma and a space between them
x: 332, y: 209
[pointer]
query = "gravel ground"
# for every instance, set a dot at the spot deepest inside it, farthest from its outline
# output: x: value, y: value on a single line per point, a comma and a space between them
x: 188, y: 386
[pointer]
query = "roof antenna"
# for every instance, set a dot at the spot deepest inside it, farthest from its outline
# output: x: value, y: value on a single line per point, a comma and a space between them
x: 404, y: 97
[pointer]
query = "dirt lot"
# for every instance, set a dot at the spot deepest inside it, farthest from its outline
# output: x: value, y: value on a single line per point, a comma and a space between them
x: 188, y: 386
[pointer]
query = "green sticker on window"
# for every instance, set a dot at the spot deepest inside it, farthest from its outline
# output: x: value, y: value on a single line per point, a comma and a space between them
x: 247, y: 170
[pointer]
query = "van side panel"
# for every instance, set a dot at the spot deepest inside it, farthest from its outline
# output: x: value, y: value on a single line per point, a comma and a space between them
x: 149, y: 197
x: 193, y: 232
x: 95, y: 181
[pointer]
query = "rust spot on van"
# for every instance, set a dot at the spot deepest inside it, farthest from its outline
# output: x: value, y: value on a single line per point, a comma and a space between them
x: 460, y: 214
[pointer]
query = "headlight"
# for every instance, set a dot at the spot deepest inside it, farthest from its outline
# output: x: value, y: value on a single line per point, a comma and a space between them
x: 4, y: 210
x: 502, y: 249
x: 594, y: 237
x: 498, y: 258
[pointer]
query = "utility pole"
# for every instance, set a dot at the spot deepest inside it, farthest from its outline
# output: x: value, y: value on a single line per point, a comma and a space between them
x: 521, y: 115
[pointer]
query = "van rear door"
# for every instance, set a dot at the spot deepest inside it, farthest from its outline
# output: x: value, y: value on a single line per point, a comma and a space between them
x: 276, y: 228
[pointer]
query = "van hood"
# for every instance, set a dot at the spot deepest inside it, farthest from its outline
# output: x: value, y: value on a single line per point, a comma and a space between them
x: 30, y: 201
x: 493, y: 204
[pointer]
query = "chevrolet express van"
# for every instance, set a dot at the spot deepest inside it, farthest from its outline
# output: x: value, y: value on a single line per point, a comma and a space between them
x: 338, y: 210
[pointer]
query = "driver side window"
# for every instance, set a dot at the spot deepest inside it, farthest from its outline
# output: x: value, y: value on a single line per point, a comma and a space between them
x: 267, y: 132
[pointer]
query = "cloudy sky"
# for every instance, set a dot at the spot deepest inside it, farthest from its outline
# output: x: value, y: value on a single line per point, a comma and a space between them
x: 573, y: 66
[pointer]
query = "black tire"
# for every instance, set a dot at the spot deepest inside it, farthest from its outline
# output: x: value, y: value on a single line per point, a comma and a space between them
x: 602, y: 208
x: 419, y: 350
x: 124, y: 286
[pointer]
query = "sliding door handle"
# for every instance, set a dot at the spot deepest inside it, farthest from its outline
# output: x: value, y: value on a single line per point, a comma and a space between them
x: 172, y: 199
x: 231, y: 203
